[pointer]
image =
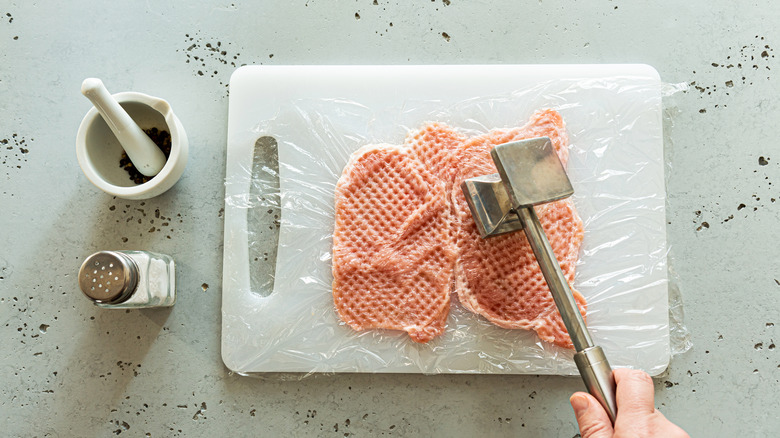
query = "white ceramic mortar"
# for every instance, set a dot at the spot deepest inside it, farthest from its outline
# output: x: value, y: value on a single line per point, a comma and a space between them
x: 99, y: 152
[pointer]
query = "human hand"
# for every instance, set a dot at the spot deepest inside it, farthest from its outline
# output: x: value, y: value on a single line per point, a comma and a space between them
x: 636, y: 417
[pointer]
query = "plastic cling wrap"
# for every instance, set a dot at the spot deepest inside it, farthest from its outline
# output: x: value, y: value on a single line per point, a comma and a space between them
x: 616, y: 166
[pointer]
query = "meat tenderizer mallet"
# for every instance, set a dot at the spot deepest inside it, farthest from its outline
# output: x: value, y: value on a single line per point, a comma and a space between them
x: 142, y: 151
x: 530, y: 173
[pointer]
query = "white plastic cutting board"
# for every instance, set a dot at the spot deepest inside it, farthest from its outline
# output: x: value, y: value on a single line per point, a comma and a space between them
x: 263, y: 333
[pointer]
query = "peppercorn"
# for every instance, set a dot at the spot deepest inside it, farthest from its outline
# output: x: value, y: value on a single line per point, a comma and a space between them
x: 163, y: 141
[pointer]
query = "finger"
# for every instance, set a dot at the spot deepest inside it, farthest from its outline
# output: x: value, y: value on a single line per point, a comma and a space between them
x: 668, y: 429
x: 591, y: 417
x: 635, y: 393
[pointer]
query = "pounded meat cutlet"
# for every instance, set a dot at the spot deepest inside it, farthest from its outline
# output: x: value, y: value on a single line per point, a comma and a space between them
x: 499, y: 277
x: 392, y: 256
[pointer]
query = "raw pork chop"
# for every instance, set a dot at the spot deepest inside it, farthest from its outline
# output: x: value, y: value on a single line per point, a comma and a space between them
x: 392, y: 255
x: 499, y: 277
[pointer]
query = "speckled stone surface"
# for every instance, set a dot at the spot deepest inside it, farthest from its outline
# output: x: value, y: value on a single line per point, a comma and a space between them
x: 68, y: 368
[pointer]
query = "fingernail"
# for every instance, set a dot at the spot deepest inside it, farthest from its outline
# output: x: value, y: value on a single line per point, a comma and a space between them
x: 579, y: 404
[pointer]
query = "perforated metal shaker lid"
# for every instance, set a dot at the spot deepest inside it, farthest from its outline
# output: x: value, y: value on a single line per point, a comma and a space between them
x: 108, y: 277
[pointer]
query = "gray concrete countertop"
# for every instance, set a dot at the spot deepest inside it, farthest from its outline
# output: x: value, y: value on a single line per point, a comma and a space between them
x: 71, y: 369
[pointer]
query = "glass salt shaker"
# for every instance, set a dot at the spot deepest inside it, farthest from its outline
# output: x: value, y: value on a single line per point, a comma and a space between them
x: 128, y: 279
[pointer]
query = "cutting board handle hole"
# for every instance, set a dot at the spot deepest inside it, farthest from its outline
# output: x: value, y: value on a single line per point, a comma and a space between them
x: 264, y: 216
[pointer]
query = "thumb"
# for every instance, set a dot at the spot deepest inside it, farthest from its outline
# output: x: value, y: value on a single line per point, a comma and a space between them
x: 591, y: 417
